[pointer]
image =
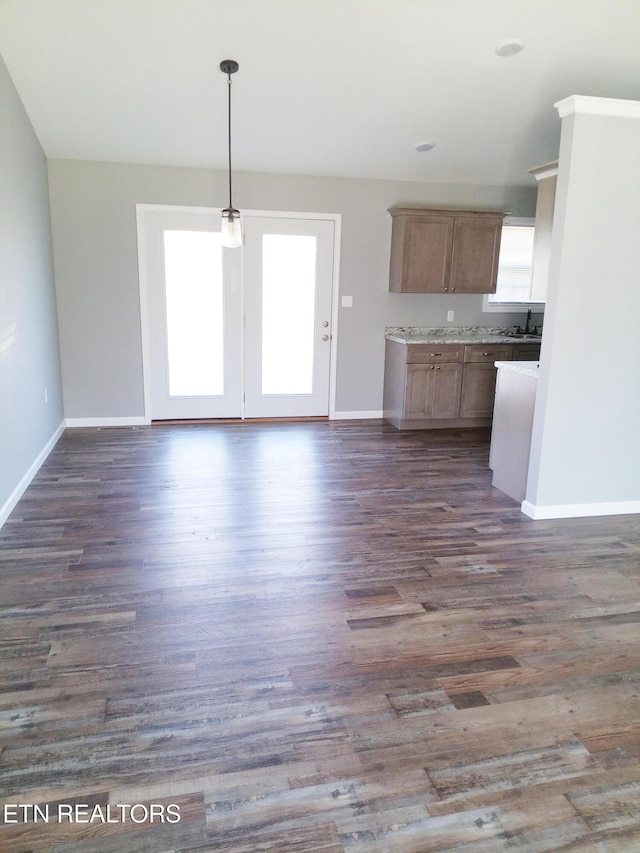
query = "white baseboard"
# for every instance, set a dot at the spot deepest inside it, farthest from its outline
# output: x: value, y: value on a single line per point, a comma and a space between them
x: 579, y: 510
x: 74, y: 423
x: 9, y: 505
x: 354, y: 416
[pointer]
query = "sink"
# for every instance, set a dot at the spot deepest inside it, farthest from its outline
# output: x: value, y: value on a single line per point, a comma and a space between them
x: 522, y: 336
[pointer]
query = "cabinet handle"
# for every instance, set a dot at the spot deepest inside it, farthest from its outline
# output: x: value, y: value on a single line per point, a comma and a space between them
x: 488, y: 353
x: 435, y: 353
x: 438, y: 367
x: 446, y: 288
x: 432, y: 367
x: 453, y: 288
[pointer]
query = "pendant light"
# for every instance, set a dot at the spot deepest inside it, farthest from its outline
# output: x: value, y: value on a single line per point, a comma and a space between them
x: 231, y: 229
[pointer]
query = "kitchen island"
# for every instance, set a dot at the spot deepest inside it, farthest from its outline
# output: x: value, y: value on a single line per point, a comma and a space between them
x: 512, y: 425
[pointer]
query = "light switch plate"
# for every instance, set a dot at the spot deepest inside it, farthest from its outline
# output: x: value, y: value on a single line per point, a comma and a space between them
x: 347, y: 302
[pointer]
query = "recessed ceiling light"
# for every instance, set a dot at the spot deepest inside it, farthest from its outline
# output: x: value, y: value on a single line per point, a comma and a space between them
x: 509, y: 47
x: 425, y: 146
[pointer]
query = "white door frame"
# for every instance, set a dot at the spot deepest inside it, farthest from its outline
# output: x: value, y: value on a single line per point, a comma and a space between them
x: 143, y: 278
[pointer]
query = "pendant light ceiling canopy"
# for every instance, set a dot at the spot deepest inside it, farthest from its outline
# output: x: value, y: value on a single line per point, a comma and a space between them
x: 231, y: 227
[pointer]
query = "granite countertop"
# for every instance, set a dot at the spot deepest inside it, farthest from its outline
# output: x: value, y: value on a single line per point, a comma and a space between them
x: 453, y: 335
x: 526, y: 368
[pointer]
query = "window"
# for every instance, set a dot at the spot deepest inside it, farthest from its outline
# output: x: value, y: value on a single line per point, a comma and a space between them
x: 288, y: 301
x: 513, y: 290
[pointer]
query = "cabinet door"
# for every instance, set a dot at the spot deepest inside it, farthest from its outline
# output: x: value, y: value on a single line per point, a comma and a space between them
x: 421, y: 254
x: 526, y: 352
x: 478, y: 390
x: 432, y: 391
x: 476, y: 247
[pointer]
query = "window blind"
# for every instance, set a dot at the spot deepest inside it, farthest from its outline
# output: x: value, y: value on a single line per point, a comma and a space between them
x: 515, y: 263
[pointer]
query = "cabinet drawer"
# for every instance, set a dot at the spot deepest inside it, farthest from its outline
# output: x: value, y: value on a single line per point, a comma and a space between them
x: 488, y: 352
x: 433, y: 353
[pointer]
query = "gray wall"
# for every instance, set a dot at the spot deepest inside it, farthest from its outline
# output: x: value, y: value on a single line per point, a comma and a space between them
x: 95, y: 256
x: 586, y: 440
x: 29, y: 356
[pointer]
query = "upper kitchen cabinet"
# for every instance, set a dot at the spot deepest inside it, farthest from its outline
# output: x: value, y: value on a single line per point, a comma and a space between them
x: 546, y: 176
x: 444, y: 251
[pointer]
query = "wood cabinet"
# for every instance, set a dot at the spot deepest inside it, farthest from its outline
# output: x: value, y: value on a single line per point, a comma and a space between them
x: 444, y: 251
x: 526, y: 352
x: 432, y: 391
x: 431, y: 386
x: 432, y: 381
x: 479, y: 380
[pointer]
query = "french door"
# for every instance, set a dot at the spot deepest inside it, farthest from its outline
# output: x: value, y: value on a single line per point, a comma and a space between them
x: 233, y: 333
x: 193, y: 296
x: 288, y: 269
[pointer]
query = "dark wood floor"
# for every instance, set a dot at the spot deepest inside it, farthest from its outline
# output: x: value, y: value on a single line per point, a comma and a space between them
x: 312, y: 637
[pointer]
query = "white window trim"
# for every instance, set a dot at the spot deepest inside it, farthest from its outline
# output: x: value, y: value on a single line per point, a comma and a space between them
x: 512, y: 307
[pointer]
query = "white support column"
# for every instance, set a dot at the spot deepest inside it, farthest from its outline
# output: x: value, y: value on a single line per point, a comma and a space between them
x: 585, y: 450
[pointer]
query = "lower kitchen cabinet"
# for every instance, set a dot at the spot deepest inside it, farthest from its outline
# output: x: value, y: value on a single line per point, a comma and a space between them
x: 526, y: 352
x: 478, y: 391
x: 433, y: 386
x: 432, y: 390
x: 479, y: 379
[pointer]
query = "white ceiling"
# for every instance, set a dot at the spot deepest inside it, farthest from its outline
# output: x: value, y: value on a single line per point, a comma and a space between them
x: 325, y: 87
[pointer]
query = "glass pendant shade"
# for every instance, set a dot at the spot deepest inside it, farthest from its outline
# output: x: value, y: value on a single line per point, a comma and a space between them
x: 231, y: 228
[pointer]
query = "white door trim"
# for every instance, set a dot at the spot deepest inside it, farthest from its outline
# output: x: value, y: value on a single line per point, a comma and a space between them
x: 143, y: 283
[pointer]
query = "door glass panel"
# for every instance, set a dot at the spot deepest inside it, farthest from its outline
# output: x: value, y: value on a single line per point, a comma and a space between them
x: 194, y: 308
x: 288, y: 313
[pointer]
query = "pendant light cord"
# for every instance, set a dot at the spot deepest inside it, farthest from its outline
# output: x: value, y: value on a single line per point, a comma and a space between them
x: 229, y: 67
x: 229, y: 136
